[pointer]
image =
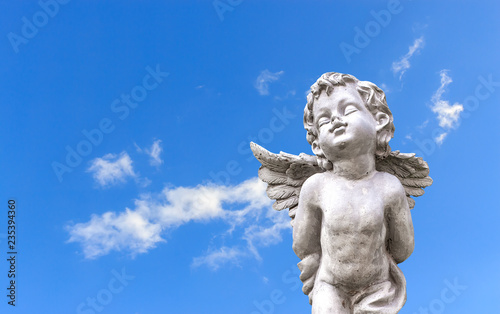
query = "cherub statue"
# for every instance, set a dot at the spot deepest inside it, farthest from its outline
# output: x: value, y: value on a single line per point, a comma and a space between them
x: 349, y: 204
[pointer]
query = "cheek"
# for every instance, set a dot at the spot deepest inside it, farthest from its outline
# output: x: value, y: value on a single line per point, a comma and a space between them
x: 364, y: 126
x: 323, y: 133
x: 321, y: 139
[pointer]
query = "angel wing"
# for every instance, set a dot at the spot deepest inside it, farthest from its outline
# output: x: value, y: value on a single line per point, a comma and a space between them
x: 412, y: 172
x: 284, y: 173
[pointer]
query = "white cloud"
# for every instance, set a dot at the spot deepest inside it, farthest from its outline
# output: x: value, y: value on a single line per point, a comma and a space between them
x: 440, y: 138
x: 154, y: 153
x: 244, y: 206
x: 111, y: 231
x: 447, y: 115
x: 112, y: 169
x: 256, y: 235
x: 263, y: 236
x: 216, y: 258
x: 404, y: 63
x: 265, y: 77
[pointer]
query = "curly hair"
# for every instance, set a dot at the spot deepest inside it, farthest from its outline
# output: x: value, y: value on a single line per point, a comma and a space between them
x: 373, y: 97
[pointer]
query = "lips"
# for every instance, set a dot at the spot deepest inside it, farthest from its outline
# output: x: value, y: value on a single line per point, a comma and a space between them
x: 339, y: 130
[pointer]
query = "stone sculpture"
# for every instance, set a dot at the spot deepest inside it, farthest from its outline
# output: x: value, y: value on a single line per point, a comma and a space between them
x: 350, y: 203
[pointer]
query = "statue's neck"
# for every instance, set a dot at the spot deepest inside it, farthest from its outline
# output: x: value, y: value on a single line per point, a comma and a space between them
x: 355, y: 168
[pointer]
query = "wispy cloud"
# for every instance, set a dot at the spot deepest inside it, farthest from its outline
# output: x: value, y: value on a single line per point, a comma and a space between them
x: 440, y: 138
x: 154, y: 153
x: 214, y: 259
x: 244, y: 206
x: 423, y: 125
x: 265, y: 77
x: 112, y: 169
x: 448, y: 115
x: 264, y: 236
x: 400, y: 67
x: 256, y: 235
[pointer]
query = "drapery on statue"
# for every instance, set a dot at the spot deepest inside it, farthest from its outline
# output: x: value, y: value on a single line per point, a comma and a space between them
x: 349, y: 204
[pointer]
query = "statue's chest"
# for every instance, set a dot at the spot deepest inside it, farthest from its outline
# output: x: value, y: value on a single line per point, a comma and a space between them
x: 352, y: 208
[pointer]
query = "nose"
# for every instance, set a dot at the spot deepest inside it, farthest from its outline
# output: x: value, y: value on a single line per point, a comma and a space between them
x: 337, y: 122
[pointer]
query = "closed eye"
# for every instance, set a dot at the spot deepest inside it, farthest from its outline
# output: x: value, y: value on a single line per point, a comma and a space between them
x: 349, y: 109
x: 323, y: 121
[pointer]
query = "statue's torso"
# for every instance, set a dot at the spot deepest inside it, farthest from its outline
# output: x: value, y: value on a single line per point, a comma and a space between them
x: 353, y: 232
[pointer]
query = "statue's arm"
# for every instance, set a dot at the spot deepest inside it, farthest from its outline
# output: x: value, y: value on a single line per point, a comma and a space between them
x: 306, y: 235
x: 307, y: 223
x: 401, y: 240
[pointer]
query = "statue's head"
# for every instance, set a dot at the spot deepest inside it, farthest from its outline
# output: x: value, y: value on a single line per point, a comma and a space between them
x: 354, y: 91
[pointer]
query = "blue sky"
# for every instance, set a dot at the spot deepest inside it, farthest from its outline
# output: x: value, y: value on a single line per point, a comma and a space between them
x: 125, y: 145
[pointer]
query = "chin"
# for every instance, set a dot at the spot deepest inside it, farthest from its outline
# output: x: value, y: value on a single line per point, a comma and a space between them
x: 342, y: 141
x: 336, y: 151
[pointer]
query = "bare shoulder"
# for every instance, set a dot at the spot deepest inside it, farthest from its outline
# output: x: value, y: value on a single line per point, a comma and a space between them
x: 391, y: 184
x: 314, y: 182
x: 312, y: 186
